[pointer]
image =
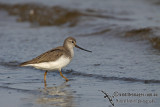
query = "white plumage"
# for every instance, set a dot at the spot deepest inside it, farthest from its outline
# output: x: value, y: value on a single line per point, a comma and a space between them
x: 52, y: 65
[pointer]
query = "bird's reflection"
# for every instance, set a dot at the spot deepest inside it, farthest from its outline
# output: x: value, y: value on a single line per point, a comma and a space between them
x: 56, y: 96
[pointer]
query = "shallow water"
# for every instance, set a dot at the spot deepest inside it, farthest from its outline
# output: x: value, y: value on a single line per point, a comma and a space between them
x: 124, y: 38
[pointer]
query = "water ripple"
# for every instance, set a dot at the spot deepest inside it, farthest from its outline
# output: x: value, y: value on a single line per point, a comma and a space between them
x: 105, y: 78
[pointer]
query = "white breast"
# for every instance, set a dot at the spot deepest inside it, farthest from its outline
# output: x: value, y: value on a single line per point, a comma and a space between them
x: 54, y: 65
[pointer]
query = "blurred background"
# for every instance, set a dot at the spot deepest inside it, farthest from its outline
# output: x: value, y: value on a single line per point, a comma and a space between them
x: 124, y: 36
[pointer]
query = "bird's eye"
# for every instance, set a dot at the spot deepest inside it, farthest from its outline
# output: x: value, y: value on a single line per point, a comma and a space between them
x: 72, y: 42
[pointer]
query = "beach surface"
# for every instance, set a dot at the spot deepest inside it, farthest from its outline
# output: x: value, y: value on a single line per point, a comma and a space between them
x: 123, y: 35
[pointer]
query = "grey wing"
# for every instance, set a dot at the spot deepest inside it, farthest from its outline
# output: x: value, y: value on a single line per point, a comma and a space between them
x: 51, y: 55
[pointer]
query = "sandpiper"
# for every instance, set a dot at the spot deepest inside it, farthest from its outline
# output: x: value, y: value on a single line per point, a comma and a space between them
x: 55, y: 59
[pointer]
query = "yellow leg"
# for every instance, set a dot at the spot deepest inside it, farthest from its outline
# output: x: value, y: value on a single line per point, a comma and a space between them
x: 45, y: 76
x: 63, y: 76
x: 45, y: 84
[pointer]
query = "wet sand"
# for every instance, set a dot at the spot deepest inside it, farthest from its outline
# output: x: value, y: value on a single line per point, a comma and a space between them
x: 124, y: 38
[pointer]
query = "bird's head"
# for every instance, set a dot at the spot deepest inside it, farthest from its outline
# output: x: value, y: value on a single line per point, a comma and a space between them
x: 70, y: 43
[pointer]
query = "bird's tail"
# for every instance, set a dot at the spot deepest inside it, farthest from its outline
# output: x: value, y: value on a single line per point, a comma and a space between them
x: 23, y: 64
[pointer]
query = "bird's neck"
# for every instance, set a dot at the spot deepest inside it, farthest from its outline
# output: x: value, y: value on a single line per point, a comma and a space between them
x: 70, y: 50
